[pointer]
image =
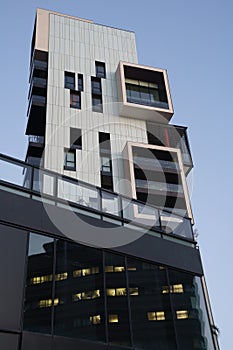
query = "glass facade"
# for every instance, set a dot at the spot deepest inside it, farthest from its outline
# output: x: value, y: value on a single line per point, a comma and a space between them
x: 39, y: 286
x: 82, y: 292
x: 144, y: 93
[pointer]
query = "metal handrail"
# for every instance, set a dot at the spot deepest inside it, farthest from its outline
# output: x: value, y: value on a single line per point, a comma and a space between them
x: 32, y: 180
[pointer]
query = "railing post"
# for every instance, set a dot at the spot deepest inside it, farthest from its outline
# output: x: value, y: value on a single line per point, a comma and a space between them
x: 31, y: 178
x: 160, y: 221
x: 100, y: 204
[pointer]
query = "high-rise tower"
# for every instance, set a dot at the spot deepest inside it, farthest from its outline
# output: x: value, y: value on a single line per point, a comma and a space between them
x: 105, y: 255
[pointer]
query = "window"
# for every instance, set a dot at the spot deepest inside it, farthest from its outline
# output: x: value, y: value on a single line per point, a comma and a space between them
x: 104, y: 141
x: 144, y: 93
x: 95, y: 319
x: 96, y: 86
x: 70, y: 160
x: 182, y: 314
x: 48, y: 303
x: 113, y: 318
x: 156, y: 316
x: 75, y: 99
x: 86, y: 272
x: 70, y: 80
x: 106, y: 165
x: 92, y: 294
x: 100, y: 69
x: 61, y: 276
x: 114, y: 268
x: 75, y: 138
x: 175, y: 288
x: 80, y: 82
x: 97, y: 104
x: 96, y: 90
x: 133, y: 291
x: 116, y: 292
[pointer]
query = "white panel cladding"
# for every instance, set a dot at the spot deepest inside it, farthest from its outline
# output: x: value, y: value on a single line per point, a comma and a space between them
x: 74, y: 46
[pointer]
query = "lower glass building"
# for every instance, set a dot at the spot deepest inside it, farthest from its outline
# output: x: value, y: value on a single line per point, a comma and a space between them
x: 86, y: 293
x: 58, y: 293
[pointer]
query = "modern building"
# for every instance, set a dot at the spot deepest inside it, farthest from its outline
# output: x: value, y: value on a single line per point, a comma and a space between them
x: 96, y: 225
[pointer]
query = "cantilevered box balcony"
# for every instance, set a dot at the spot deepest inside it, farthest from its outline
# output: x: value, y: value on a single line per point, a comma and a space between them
x: 144, y: 92
x: 156, y: 176
x: 174, y: 136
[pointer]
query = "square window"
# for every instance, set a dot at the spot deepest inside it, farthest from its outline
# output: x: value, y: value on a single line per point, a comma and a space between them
x: 100, y: 69
x: 70, y: 80
x: 75, y: 138
x: 75, y: 99
x: 70, y: 159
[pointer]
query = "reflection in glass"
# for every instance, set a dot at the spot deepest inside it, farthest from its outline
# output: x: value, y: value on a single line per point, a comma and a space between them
x: 117, y: 300
x: 38, y: 294
x: 80, y: 312
x: 90, y: 292
x: 150, y: 308
x: 191, y: 322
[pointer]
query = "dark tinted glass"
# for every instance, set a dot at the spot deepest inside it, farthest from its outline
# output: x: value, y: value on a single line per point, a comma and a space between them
x: 80, y: 82
x: 117, y: 300
x: 38, y: 296
x: 189, y: 310
x: 150, y: 306
x: 69, y: 80
x: 97, y: 105
x: 70, y: 159
x: 79, y: 287
x: 75, y: 99
x: 75, y: 138
x: 100, y: 69
x: 96, y: 86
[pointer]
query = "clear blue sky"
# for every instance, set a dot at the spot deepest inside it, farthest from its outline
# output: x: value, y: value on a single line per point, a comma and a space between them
x: 193, y: 40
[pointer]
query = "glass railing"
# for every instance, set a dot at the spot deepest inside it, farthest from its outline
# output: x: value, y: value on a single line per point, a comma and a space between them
x: 18, y: 175
x: 147, y: 102
x: 154, y: 163
x: 41, y: 82
x: 36, y: 100
x: 42, y: 65
x: 159, y: 186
